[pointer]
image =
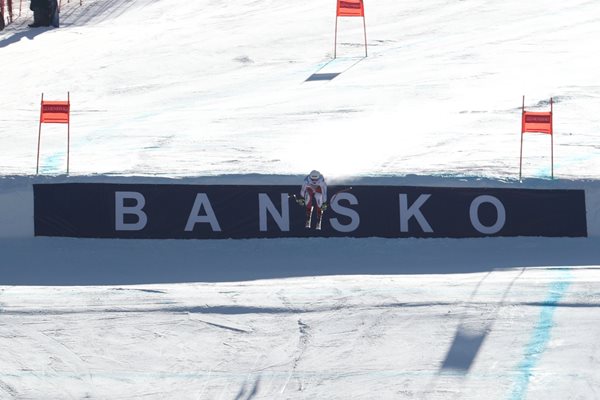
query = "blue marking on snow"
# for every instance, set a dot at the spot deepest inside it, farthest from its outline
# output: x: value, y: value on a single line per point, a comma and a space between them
x: 543, y: 173
x: 546, y: 172
x: 541, y: 335
x: 53, y: 163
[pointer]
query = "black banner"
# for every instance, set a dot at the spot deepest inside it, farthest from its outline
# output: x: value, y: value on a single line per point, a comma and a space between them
x: 165, y: 211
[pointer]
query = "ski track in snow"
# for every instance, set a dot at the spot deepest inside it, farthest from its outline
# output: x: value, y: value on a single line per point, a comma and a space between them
x: 305, y: 337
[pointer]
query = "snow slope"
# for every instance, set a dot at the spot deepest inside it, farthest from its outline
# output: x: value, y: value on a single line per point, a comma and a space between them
x: 506, y: 333
x: 212, y: 87
x: 216, y: 92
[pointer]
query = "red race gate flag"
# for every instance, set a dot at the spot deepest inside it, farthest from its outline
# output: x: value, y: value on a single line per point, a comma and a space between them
x: 55, y: 112
x: 536, y: 121
x: 349, y: 8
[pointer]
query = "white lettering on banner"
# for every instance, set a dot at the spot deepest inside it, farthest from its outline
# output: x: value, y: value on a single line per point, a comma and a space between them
x: 474, y: 215
x: 348, y: 212
x: 281, y: 219
x: 406, y: 212
x: 195, y: 217
x: 121, y: 210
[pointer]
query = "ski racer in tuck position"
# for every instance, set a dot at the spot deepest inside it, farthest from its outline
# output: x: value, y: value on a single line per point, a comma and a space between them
x: 314, y: 192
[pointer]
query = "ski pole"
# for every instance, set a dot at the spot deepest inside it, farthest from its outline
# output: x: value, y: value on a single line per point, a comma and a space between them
x: 296, y: 199
x: 340, y: 191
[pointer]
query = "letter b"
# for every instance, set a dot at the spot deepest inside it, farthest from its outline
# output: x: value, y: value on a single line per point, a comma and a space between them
x: 121, y: 210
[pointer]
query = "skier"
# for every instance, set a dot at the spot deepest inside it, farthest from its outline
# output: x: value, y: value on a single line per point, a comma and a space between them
x: 314, y: 190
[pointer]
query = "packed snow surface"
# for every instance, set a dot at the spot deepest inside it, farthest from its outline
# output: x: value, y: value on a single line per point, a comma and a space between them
x: 248, y: 92
x: 511, y: 333
x: 219, y: 87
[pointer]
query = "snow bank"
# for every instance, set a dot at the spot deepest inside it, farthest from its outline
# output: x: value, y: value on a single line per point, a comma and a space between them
x: 592, y: 204
x: 16, y: 208
x: 29, y: 260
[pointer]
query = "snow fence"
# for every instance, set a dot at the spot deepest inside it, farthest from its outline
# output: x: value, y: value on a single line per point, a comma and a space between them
x: 246, y: 207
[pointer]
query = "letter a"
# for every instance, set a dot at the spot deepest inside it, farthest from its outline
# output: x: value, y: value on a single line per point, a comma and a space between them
x: 210, y: 217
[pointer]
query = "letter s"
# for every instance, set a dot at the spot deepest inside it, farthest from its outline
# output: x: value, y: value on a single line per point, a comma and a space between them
x: 348, y: 212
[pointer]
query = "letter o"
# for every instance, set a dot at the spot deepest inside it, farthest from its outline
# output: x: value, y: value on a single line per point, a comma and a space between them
x: 500, y: 220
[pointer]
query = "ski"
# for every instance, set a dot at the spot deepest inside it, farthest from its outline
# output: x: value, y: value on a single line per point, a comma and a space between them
x: 308, y: 220
x: 319, y: 221
x: 300, y: 202
x: 325, y: 207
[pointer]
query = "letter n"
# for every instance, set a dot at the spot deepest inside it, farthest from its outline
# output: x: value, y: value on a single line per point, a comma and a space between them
x: 281, y: 219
